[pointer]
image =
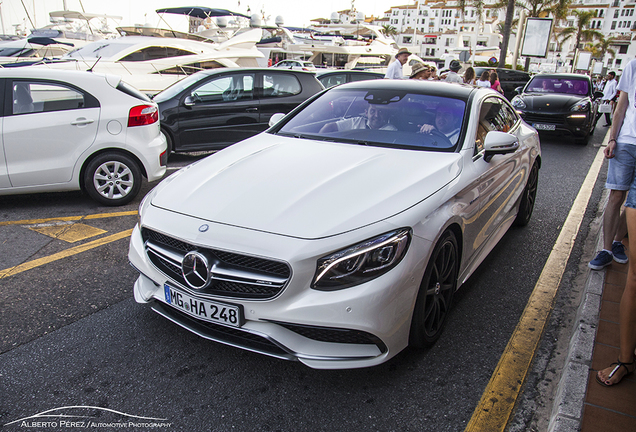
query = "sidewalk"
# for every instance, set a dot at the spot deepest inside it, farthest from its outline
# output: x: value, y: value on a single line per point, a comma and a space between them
x: 609, y: 409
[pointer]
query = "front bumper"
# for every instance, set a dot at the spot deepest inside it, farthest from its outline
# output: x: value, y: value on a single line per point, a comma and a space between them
x: 356, y: 327
x: 578, y: 124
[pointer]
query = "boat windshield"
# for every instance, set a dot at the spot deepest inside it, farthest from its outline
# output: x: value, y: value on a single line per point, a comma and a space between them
x: 381, y: 117
x: 102, y: 48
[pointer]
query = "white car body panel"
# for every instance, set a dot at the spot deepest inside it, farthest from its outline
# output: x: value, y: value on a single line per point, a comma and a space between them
x: 311, y: 194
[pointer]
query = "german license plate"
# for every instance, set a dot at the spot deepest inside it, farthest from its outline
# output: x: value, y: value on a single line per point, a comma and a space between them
x: 545, y: 127
x: 206, y: 310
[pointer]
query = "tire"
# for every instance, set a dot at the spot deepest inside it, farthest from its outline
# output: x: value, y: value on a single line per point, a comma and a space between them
x: 528, y: 197
x: 112, y: 179
x: 435, y: 297
x: 169, y: 144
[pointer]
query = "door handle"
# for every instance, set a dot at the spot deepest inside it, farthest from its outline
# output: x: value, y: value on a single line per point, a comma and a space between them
x: 251, y: 109
x: 82, y: 122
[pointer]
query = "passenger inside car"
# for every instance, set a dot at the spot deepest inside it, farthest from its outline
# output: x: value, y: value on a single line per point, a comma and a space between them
x: 376, y: 117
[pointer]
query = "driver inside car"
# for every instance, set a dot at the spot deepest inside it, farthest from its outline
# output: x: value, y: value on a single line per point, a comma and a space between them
x: 448, y: 119
x: 376, y: 117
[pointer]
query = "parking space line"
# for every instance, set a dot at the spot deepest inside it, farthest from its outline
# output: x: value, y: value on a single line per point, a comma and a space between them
x: 500, y: 396
x: 63, y: 254
x: 69, y: 218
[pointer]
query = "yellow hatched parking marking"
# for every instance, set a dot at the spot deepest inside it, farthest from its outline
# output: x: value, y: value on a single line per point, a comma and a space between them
x: 498, y: 400
x: 64, y: 254
x: 68, y: 231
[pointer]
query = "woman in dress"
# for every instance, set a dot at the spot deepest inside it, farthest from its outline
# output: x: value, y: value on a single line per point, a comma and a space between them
x: 484, y: 80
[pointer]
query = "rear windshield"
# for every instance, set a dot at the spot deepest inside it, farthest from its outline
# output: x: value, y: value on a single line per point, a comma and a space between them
x: 387, y: 118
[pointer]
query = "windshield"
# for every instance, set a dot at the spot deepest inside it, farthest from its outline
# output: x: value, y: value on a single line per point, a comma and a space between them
x: 103, y: 48
x: 558, y: 85
x: 387, y: 118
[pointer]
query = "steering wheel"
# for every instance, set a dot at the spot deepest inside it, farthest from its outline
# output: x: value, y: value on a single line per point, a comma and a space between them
x: 440, y: 139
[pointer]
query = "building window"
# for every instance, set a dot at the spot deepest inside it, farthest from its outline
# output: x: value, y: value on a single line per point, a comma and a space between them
x: 623, y: 49
x: 616, y: 13
x: 613, y: 25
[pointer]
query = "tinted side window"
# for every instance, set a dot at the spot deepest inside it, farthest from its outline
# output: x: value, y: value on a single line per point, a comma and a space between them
x: 29, y: 97
x: 153, y: 53
x: 334, y: 79
x: 280, y: 85
x: 226, y: 89
x: 363, y: 77
x: 494, y: 115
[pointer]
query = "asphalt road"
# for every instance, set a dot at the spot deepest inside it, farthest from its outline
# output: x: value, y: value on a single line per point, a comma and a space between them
x: 71, y: 335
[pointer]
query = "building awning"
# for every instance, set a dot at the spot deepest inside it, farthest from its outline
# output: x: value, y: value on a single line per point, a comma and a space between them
x: 431, y: 36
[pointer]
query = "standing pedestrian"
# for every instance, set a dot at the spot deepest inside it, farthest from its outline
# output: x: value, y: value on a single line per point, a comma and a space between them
x: 395, y: 71
x: 420, y: 71
x: 469, y: 76
x: 494, y: 82
x: 453, y: 76
x: 609, y: 93
x: 623, y: 133
x: 484, y: 79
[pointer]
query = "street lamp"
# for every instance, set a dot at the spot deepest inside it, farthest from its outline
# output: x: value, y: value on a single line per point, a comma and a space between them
x: 558, y: 62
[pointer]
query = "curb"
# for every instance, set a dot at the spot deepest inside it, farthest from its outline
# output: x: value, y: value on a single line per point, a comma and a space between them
x: 567, y: 409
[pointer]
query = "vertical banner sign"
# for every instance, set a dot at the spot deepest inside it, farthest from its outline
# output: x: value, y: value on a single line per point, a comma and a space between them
x: 537, y: 37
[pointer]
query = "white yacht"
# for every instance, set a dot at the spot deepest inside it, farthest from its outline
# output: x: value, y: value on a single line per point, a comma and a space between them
x: 153, y: 63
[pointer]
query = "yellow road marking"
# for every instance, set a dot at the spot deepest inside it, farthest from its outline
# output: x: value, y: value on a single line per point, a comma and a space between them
x: 70, y: 218
x: 64, y: 254
x: 68, y: 231
x: 498, y: 400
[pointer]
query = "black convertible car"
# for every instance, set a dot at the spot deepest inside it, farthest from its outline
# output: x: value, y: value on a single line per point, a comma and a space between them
x: 559, y: 103
x: 215, y: 108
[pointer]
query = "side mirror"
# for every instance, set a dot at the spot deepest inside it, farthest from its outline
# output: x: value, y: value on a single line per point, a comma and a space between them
x: 499, y: 143
x: 188, y: 101
x: 518, y: 90
x: 275, y: 118
x: 598, y: 94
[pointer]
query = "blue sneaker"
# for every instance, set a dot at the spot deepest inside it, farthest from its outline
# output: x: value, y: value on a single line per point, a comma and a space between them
x: 603, y: 259
x: 619, y: 252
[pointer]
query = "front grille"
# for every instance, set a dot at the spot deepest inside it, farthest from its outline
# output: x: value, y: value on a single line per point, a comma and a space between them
x: 234, y: 275
x: 544, y: 118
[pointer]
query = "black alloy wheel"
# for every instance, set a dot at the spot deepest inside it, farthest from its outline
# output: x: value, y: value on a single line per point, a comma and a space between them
x: 528, y: 198
x: 435, y: 296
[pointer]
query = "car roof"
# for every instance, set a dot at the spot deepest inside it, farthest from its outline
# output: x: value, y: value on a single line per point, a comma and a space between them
x: 561, y: 75
x: 452, y: 90
x: 41, y: 72
x: 218, y: 71
x: 339, y: 71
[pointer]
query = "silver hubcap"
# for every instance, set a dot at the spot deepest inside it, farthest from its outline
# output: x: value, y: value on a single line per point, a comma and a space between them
x: 113, y: 180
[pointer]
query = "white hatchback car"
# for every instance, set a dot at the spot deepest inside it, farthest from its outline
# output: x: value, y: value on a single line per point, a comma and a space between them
x: 339, y: 236
x: 70, y: 130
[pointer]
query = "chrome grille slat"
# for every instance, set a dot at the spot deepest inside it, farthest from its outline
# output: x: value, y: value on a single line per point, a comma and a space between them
x: 232, y: 275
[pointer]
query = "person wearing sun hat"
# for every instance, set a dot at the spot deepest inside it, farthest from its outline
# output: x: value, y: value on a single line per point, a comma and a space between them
x: 394, y: 71
x: 420, y: 71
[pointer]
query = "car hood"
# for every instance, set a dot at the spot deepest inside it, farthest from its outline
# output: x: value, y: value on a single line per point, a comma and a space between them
x: 304, y: 188
x: 552, y: 102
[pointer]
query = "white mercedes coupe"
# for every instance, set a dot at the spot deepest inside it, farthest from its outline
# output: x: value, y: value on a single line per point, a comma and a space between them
x: 338, y: 236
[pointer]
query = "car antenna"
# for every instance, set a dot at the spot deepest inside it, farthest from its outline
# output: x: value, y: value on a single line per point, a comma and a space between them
x: 90, y: 69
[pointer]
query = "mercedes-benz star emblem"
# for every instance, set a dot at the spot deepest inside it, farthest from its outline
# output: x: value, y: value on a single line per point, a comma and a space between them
x: 204, y: 228
x: 195, y: 270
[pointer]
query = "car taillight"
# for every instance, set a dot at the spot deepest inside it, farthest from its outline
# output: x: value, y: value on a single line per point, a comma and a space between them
x: 143, y: 115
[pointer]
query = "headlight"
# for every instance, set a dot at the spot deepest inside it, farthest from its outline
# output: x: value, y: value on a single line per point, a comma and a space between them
x: 362, y: 262
x: 517, y: 102
x: 580, y: 106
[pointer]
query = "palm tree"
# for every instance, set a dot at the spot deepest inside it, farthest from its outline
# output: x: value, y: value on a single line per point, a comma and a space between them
x: 388, y: 30
x: 601, y: 48
x: 581, y: 31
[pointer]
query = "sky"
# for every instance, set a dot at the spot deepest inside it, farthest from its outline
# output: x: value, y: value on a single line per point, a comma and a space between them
x: 296, y: 13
